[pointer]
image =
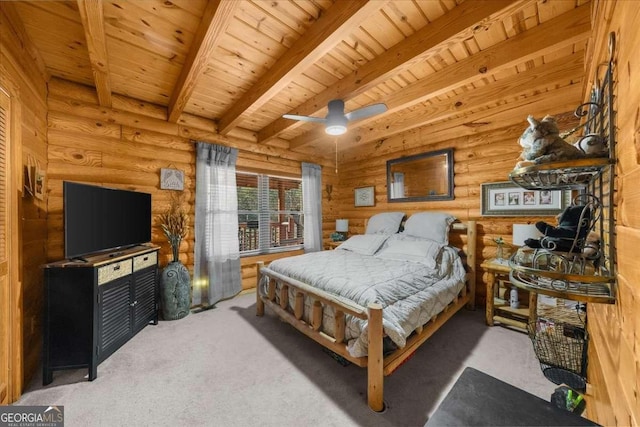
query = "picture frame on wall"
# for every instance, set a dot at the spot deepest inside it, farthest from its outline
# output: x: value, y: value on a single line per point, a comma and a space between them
x: 364, y: 196
x: 171, y: 179
x: 508, y: 199
x: 39, y: 187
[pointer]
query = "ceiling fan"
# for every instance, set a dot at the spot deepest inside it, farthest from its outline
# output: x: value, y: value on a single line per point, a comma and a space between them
x: 336, y: 119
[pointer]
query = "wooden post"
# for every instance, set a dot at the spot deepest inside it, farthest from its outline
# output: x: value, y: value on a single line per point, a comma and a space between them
x: 299, y: 307
x: 339, y: 326
x: 284, y: 296
x: 316, y: 315
x: 491, y: 289
x: 471, y: 262
x: 259, y: 302
x: 271, y: 292
x: 375, y: 362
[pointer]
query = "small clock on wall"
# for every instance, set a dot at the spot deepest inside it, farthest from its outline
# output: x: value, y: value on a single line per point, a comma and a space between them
x: 364, y: 196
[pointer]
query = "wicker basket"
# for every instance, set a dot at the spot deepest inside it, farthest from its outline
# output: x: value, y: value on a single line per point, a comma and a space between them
x: 560, y: 343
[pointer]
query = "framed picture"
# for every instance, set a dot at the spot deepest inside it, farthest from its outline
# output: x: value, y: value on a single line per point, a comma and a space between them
x: 508, y: 199
x: 364, y: 196
x: 40, y: 184
x: 34, y: 178
x: 171, y: 179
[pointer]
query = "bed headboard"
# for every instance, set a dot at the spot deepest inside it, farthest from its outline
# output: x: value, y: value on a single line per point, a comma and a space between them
x: 467, y: 234
x: 462, y: 235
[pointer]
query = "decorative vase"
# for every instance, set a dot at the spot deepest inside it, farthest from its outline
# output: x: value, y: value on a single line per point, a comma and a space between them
x: 175, y: 284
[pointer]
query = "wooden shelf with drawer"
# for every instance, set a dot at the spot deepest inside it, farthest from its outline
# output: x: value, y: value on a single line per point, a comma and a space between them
x: 498, y: 289
x: 332, y: 245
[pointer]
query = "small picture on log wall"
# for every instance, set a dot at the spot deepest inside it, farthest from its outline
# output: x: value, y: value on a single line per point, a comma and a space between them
x: 364, y: 196
x: 508, y: 199
x: 39, y: 184
x: 171, y: 179
x: 34, y: 178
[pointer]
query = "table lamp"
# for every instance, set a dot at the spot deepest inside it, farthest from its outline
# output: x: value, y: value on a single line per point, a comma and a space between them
x: 342, y: 227
x: 522, y: 232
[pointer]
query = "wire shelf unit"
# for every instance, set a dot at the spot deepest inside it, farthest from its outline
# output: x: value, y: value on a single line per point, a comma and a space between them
x: 572, y: 275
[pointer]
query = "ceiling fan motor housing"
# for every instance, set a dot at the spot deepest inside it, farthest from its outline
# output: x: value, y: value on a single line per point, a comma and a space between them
x: 336, y: 121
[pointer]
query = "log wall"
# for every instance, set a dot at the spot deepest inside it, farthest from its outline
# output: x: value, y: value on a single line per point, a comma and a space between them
x: 127, y: 145
x: 485, y: 150
x: 614, y: 349
x: 24, y: 78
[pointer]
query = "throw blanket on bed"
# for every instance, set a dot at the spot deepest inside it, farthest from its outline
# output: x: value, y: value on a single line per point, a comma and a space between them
x: 409, y: 292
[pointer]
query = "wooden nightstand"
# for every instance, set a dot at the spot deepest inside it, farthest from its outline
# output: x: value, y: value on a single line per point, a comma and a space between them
x: 333, y: 245
x: 498, y: 309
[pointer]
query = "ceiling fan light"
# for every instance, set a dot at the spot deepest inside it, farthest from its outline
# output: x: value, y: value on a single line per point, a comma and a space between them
x: 335, y: 129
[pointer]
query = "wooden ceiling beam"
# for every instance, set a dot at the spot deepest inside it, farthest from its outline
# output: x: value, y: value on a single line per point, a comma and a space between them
x: 92, y: 16
x: 322, y: 36
x: 456, y: 24
x: 565, y: 30
x: 555, y: 102
x: 559, y: 72
x: 215, y: 20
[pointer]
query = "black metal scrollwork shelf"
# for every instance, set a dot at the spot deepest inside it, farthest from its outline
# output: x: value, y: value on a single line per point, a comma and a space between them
x: 574, y: 174
x: 597, y: 287
x: 573, y: 275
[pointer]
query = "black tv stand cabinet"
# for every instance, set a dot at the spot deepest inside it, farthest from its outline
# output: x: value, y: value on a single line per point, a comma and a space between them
x: 92, y: 308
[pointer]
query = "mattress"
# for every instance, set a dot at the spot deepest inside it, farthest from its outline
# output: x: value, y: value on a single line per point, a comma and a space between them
x: 410, y: 293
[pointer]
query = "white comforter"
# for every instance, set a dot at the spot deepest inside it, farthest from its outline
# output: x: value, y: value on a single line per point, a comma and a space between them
x: 409, y: 292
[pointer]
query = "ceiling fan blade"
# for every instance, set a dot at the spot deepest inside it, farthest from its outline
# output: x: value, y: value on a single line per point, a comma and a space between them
x: 367, y: 111
x: 303, y: 118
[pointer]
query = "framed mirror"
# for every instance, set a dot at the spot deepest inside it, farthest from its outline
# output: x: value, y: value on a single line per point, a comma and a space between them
x: 426, y: 176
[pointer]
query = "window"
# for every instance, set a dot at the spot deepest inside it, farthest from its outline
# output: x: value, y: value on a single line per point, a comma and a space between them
x: 269, y: 213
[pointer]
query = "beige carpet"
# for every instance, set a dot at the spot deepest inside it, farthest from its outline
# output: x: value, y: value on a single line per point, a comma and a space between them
x: 227, y: 367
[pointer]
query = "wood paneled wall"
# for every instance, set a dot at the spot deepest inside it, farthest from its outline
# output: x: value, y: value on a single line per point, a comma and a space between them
x: 485, y: 152
x: 614, y: 350
x: 127, y: 145
x: 24, y: 78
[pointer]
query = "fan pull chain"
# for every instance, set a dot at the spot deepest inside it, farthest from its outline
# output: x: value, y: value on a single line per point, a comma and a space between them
x: 336, y: 144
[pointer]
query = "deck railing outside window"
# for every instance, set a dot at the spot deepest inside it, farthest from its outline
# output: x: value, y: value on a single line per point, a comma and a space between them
x: 281, y: 234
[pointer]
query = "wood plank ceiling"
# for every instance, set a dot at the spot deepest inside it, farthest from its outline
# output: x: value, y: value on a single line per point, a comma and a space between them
x: 245, y: 63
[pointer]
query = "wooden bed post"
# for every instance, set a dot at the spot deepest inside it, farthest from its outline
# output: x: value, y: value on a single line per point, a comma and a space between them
x: 259, y: 302
x: 375, y: 362
x: 471, y: 262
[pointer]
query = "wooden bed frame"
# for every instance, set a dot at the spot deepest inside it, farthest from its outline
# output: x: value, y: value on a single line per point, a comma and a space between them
x: 377, y: 365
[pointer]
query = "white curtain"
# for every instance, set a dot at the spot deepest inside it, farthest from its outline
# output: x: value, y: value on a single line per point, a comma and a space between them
x: 312, y: 205
x: 217, y: 254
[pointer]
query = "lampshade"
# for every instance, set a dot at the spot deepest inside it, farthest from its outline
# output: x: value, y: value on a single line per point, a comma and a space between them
x: 342, y: 225
x: 522, y: 232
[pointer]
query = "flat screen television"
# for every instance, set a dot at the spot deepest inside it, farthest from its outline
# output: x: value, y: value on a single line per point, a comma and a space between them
x: 97, y: 219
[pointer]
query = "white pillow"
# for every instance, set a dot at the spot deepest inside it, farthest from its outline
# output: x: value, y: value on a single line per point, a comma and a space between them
x: 384, y: 223
x: 430, y: 225
x: 422, y: 251
x: 365, y: 244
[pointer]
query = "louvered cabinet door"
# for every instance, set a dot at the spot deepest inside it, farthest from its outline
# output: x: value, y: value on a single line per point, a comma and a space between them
x: 145, y: 290
x: 6, y: 322
x: 114, y: 316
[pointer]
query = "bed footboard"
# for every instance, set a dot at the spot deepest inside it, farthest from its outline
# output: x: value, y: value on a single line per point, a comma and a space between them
x: 378, y: 366
x: 266, y: 295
